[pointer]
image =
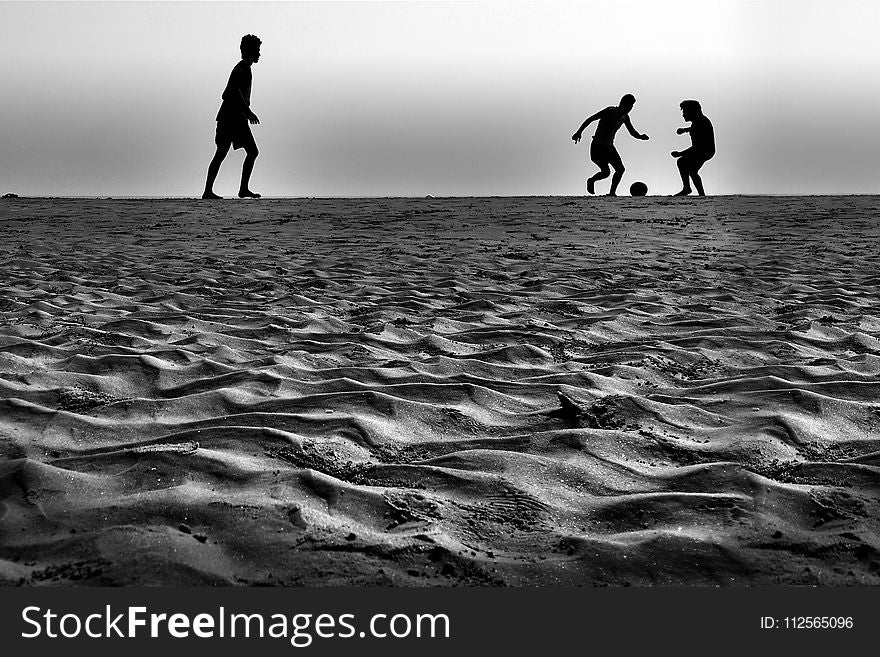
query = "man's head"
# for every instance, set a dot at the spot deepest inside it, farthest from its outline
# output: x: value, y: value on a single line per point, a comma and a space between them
x: 627, y: 102
x: 250, y: 48
x: 690, y: 109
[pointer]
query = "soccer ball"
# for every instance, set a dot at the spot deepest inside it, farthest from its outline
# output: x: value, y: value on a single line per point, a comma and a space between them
x: 638, y: 189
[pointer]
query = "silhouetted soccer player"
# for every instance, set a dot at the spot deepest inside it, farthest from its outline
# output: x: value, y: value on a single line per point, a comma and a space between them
x: 233, y: 118
x: 602, y: 150
x: 702, y: 146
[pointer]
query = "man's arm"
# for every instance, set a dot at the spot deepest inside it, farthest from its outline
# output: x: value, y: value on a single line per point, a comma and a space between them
x: 577, y: 135
x: 687, y: 151
x: 635, y: 133
x: 246, y: 109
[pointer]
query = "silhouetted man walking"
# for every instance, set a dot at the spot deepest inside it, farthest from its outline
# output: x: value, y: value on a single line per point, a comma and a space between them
x: 602, y: 150
x: 233, y: 120
x: 702, y: 146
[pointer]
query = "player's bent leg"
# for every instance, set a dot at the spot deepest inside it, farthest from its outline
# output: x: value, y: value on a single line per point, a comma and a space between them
x: 695, y: 176
x: 602, y: 155
x: 246, y: 169
x: 615, y: 161
x: 251, y: 150
x: 616, y: 178
x: 615, y: 181
x: 684, y: 172
x: 214, y: 168
x: 603, y: 173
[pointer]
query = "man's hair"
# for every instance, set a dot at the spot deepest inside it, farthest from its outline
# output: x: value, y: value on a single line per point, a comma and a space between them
x: 249, y: 43
x: 692, y: 104
x: 628, y: 99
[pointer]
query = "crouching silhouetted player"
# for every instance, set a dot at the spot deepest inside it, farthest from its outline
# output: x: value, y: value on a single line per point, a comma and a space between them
x: 602, y: 150
x: 702, y: 147
x: 233, y: 120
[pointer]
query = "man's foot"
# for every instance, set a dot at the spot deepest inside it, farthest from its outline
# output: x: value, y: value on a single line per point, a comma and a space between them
x: 246, y: 193
x: 210, y: 195
x: 683, y: 192
x: 611, y: 194
x: 590, y: 186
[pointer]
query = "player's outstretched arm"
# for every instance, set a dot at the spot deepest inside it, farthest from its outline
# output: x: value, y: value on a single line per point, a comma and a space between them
x: 635, y: 133
x: 576, y: 137
x: 681, y: 131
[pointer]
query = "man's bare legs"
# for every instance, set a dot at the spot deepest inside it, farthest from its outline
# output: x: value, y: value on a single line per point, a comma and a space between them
x: 604, y: 172
x: 685, y: 175
x: 605, y: 159
x: 214, y: 169
x: 689, y: 170
x: 246, y: 169
x: 615, y: 179
x: 617, y: 163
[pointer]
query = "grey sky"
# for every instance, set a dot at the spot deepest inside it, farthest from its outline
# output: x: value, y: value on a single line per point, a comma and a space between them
x: 443, y: 98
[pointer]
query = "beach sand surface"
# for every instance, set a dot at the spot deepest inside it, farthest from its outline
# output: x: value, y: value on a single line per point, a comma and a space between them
x: 513, y: 391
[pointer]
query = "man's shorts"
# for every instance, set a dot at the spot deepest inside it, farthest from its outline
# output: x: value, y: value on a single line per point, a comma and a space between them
x: 604, y: 154
x: 694, y: 161
x: 237, y: 132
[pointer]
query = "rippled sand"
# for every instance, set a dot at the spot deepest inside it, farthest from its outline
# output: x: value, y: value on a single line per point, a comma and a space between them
x: 440, y: 392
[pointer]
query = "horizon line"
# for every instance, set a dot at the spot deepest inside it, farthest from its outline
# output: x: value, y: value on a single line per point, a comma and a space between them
x: 428, y: 197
